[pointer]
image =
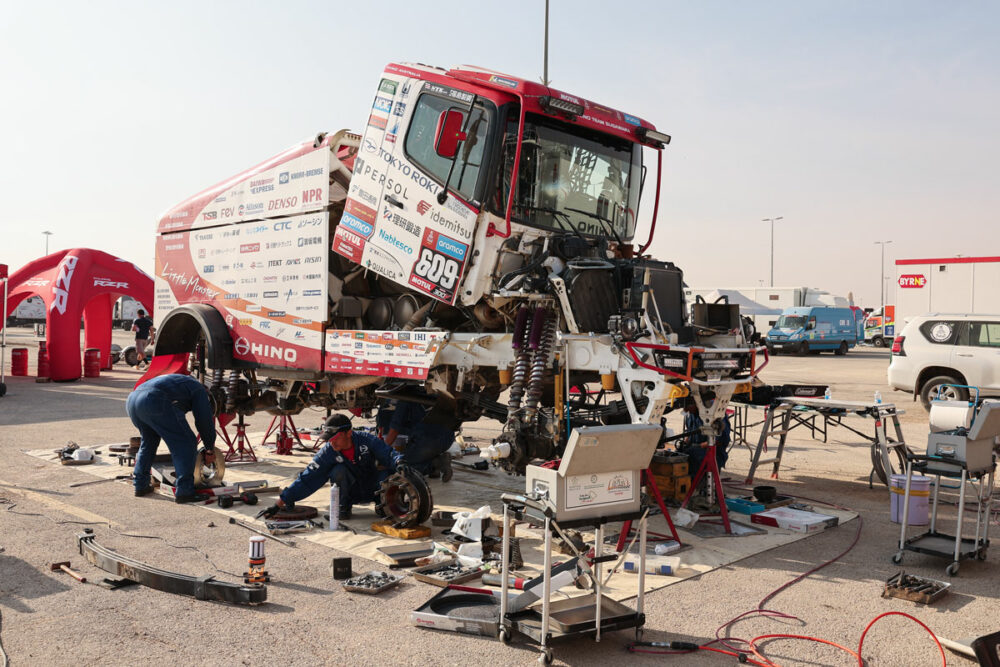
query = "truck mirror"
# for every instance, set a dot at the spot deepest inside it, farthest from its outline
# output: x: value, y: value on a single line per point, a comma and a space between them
x: 449, y: 133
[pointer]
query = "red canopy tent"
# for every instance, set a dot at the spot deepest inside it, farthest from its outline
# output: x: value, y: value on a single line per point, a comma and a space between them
x: 74, y: 284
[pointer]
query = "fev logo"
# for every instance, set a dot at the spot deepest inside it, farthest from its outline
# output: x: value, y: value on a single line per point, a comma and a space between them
x: 61, y: 287
x: 912, y: 280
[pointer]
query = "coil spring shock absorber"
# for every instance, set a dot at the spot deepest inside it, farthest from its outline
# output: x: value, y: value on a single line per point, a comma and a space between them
x: 234, y: 387
x: 522, y: 363
x: 543, y: 333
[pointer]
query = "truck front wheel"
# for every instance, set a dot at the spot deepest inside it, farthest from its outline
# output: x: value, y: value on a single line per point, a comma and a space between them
x: 878, y: 341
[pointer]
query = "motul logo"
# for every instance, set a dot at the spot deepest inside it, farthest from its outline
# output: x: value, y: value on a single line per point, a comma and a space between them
x: 912, y: 280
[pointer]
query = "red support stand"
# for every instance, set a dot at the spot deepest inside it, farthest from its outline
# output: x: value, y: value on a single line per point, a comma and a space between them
x: 710, y: 465
x: 285, y: 434
x: 647, y: 476
x: 239, y: 447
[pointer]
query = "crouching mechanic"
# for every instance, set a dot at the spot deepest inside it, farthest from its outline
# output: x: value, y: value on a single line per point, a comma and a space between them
x: 348, y: 459
x: 157, y: 408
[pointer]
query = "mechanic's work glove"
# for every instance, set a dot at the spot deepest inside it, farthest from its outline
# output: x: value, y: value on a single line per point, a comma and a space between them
x: 269, y: 512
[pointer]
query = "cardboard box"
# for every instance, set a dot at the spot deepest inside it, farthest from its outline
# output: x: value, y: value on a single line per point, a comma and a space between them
x: 798, y: 521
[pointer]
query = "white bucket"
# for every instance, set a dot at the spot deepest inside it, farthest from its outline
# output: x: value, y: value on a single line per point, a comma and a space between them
x: 920, y: 491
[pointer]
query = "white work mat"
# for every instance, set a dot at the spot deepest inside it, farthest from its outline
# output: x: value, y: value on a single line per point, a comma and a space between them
x: 467, y: 491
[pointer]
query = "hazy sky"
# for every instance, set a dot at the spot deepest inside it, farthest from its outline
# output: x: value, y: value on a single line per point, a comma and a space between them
x: 855, y: 121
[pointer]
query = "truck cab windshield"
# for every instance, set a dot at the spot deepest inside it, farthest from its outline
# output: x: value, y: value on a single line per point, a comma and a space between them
x: 790, y: 322
x: 592, y: 180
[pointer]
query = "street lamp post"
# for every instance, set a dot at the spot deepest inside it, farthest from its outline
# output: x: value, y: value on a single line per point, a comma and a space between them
x: 47, y: 235
x: 881, y: 275
x: 772, y: 221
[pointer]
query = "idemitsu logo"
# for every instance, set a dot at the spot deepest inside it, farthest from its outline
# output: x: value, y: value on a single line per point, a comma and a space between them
x: 61, y: 288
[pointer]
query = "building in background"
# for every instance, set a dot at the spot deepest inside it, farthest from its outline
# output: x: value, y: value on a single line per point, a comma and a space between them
x: 947, y: 285
x: 764, y: 304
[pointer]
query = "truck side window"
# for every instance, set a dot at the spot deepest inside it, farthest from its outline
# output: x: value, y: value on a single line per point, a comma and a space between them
x: 984, y: 334
x: 419, y: 145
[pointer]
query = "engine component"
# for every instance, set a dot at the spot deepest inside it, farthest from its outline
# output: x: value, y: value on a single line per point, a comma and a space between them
x: 212, y: 472
x: 405, y: 499
x: 543, y: 333
x: 379, y: 313
x: 520, y: 343
x: 200, y: 588
x: 232, y: 390
x: 593, y: 293
x: 404, y: 309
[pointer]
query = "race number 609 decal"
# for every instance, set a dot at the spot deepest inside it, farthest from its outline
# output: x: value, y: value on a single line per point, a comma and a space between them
x: 437, y: 268
x: 439, y: 265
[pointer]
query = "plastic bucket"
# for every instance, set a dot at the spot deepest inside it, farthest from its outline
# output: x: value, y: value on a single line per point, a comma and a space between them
x: 920, y: 491
x: 43, y: 361
x: 19, y: 361
x: 92, y: 363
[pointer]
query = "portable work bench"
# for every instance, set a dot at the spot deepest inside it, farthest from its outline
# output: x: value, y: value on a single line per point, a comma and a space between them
x: 818, y: 415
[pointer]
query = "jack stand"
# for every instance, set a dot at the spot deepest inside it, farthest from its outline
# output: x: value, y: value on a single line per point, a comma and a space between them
x: 647, y: 476
x: 240, y: 448
x: 710, y: 466
x: 285, y: 434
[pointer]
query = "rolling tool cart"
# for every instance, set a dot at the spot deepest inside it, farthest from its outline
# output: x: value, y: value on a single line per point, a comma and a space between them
x: 965, y: 454
x: 597, y: 482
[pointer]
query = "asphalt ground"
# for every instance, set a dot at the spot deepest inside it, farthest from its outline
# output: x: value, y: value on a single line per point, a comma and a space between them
x: 48, y: 618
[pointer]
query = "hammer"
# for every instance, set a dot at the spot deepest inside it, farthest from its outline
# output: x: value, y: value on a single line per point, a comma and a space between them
x: 64, y: 566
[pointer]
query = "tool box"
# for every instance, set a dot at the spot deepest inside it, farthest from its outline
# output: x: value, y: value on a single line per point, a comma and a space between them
x: 915, y: 589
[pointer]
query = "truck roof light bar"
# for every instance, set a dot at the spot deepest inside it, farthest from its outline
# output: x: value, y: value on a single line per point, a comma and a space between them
x: 648, y: 136
x: 556, y: 106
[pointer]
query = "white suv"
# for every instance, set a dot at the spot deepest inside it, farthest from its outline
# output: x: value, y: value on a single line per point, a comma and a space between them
x: 938, y: 349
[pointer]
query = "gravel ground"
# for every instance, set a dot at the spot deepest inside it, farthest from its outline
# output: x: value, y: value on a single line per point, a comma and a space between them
x: 50, y: 619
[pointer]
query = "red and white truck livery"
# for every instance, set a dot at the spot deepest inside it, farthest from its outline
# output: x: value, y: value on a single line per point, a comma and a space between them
x: 476, y: 237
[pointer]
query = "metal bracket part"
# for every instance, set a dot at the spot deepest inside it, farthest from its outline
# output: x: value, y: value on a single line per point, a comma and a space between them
x: 200, y: 588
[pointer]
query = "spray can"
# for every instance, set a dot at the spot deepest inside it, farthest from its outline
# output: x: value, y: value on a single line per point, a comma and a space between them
x: 878, y: 397
x: 827, y: 394
x: 334, y: 507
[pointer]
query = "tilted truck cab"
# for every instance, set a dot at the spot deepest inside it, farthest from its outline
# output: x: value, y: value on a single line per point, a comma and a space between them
x: 480, y: 225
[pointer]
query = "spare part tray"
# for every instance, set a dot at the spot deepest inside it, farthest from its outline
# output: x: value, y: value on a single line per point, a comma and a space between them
x: 576, y: 615
x: 200, y: 588
x: 426, y: 573
x: 393, y: 581
x: 407, y: 553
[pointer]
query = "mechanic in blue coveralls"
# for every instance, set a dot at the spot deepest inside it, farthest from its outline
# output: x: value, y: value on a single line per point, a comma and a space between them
x: 697, y: 443
x: 157, y: 407
x: 429, y: 436
x: 349, y: 459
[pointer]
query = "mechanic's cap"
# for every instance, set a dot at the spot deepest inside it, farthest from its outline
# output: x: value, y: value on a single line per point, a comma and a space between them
x: 335, y: 424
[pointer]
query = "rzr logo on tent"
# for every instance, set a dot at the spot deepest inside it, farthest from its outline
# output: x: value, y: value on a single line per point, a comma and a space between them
x: 61, y: 288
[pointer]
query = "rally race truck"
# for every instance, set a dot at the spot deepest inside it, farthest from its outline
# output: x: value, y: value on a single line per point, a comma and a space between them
x: 479, y: 237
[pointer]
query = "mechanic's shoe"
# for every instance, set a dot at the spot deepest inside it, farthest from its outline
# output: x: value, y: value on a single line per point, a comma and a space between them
x: 444, y: 465
x: 144, y: 491
x: 187, y: 498
x: 345, y: 513
x: 434, y: 473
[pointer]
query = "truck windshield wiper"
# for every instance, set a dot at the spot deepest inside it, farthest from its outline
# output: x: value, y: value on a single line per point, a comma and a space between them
x: 610, y: 225
x: 559, y: 216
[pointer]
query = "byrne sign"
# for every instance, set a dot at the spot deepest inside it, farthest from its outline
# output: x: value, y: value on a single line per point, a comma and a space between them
x: 912, y: 280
